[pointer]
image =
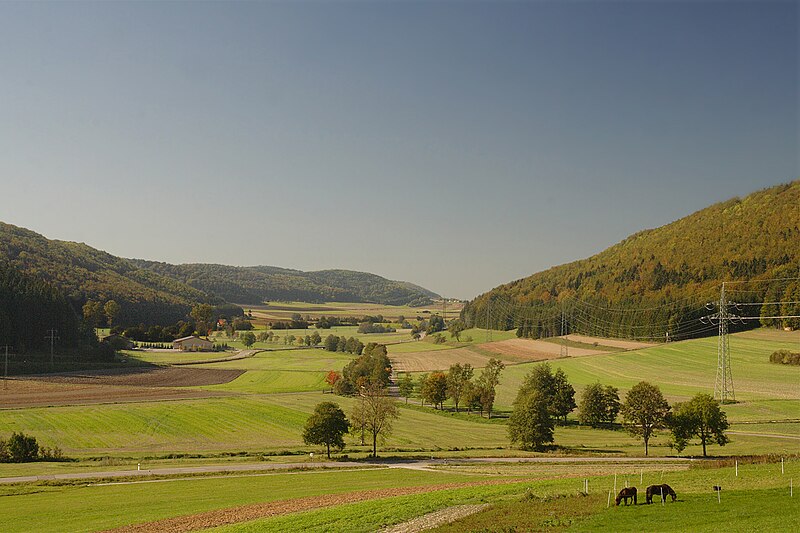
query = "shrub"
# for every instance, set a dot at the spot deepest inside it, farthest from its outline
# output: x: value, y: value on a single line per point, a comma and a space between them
x: 19, y: 448
x: 785, y: 357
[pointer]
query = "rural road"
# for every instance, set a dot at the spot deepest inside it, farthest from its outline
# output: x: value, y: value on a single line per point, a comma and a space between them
x: 267, y: 467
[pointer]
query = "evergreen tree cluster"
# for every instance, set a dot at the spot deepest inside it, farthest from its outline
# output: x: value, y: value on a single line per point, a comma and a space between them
x: 30, y: 308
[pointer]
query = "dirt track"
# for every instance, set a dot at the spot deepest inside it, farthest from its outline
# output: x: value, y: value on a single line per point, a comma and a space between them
x: 246, y: 513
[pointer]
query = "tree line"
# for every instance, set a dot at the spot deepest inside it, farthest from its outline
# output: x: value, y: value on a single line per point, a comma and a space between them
x: 546, y: 398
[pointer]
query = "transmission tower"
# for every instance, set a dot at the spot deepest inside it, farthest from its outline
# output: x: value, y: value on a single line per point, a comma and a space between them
x: 564, y: 347
x: 723, y: 384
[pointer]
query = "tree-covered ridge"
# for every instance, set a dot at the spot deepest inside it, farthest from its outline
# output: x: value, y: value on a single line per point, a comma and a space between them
x: 85, y: 273
x: 30, y: 308
x: 253, y: 285
x: 159, y: 293
x: 757, y: 237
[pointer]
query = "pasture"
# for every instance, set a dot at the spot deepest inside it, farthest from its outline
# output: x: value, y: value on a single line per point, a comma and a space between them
x: 366, y: 500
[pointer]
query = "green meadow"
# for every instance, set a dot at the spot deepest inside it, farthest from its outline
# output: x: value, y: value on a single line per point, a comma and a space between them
x: 757, y: 499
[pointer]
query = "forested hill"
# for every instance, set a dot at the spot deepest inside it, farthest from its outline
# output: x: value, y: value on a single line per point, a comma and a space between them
x: 159, y: 293
x: 252, y: 285
x: 657, y: 280
x: 85, y: 273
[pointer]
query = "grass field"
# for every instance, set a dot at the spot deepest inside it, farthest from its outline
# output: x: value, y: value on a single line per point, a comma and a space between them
x: 279, y: 389
x: 284, y: 310
x: 757, y: 499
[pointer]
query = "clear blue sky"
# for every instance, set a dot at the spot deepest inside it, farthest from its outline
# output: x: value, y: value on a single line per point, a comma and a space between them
x: 458, y: 145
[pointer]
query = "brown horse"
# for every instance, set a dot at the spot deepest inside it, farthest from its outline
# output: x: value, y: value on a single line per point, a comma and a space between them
x: 656, y: 490
x: 626, y: 494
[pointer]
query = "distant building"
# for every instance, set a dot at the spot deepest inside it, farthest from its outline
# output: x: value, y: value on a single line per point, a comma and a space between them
x: 192, y: 344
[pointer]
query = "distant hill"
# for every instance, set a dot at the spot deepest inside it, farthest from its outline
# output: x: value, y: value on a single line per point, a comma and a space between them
x: 658, y: 279
x: 150, y: 292
x: 253, y: 285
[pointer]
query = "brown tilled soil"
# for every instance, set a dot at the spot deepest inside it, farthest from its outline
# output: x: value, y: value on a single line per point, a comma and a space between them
x: 246, y: 513
x: 533, y: 350
x: 35, y: 393
x: 614, y: 343
x: 145, y: 377
x: 436, y: 360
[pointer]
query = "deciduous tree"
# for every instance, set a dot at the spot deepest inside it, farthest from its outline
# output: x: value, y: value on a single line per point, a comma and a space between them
x: 700, y: 417
x: 644, y: 411
x: 458, y: 378
x: 531, y: 424
x: 327, y: 426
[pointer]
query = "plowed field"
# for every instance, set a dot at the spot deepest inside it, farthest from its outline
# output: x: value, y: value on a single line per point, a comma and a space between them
x: 110, y: 386
x: 533, y: 350
x: 146, y: 377
x: 34, y: 393
x: 436, y: 360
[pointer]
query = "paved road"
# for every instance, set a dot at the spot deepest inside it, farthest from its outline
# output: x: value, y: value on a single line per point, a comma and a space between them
x: 266, y: 467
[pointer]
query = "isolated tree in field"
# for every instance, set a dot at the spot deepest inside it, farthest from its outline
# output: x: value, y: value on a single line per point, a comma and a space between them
x: 377, y: 413
x: 316, y: 339
x: 327, y: 426
x: 599, y: 405
x: 455, y: 327
x: 406, y: 386
x: 458, y: 376
x: 531, y: 423
x: 248, y: 338
x: 202, y: 315
x: 700, y: 417
x: 111, y: 310
x: 434, y: 390
x: 644, y: 411
x: 332, y: 377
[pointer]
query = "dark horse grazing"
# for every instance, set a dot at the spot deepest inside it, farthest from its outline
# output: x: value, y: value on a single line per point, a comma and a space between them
x: 626, y: 494
x: 656, y: 490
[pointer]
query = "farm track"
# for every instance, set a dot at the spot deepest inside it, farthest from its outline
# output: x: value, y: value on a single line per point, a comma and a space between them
x: 266, y: 467
x: 435, y: 519
x: 246, y: 513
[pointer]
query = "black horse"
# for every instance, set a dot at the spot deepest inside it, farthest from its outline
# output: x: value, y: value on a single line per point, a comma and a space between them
x: 626, y: 494
x: 656, y: 490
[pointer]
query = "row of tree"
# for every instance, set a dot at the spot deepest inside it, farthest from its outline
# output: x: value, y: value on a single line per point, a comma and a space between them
x: 458, y: 385
x: 546, y: 397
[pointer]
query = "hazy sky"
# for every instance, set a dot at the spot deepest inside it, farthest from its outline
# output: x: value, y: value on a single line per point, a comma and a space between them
x: 458, y: 145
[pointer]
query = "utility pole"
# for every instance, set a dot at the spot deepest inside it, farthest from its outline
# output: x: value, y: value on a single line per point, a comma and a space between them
x: 564, y: 347
x: 5, y: 371
x: 52, y: 336
x: 444, y: 310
